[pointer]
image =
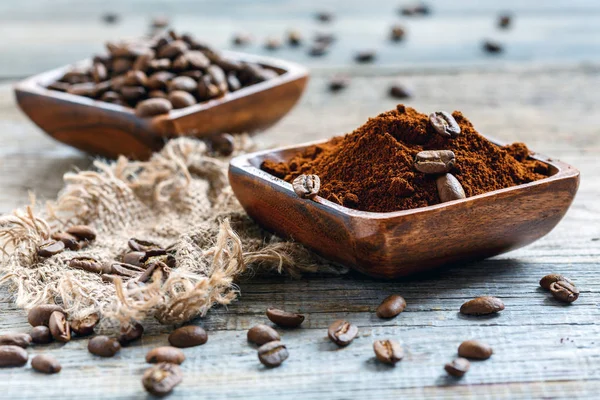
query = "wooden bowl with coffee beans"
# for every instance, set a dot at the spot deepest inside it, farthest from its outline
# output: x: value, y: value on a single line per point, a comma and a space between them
x: 143, y: 92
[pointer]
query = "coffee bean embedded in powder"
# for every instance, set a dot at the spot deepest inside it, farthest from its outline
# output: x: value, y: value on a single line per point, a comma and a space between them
x: 482, y: 306
x: 272, y: 354
x: 162, y: 378
x: 45, y: 364
x: 458, y: 367
x: 388, y: 351
x: 549, y: 279
x: 444, y: 124
x: 342, y: 332
x: 40, y: 314
x: 85, y: 326
x: 165, y: 354
x: 188, y: 336
x: 564, y: 291
x: 435, y: 161
x: 475, y: 349
x: 40, y: 335
x: 307, y: 186
x: 284, y: 318
x: 59, y: 327
x: 449, y: 188
x: 130, y: 333
x: 103, y: 346
x: 13, y: 356
x: 16, y: 339
x: 261, y: 334
x: 391, y: 306
x: 50, y: 248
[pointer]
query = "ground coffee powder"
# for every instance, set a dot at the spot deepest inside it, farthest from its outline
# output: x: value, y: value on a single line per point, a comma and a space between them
x: 372, y: 168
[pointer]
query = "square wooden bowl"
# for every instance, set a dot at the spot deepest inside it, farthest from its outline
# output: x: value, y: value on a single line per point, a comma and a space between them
x: 110, y: 130
x: 396, y: 244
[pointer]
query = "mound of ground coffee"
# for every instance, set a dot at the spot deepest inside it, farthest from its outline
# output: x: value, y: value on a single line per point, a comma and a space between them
x: 372, y: 168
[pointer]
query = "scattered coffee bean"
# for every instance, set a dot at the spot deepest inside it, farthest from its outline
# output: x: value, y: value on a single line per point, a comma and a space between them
x: 143, y: 245
x: 564, y: 291
x: 444, y: 124
x: 85, y: 326
x: 242, y: 39
x: 504, y: 21
x: 16, y: 339
x: 181, y: 99
x: 103, y: 346
x: 284, y: 318
x: 40, y: 315
x: 342, y: 332
x: 449, y: 188
x: 82, y: 232
x: 388, y: 351
x: 162, y: 378
x: 492, y: 47
x: 294, y: 38
x: 548, y: 280
x: 130, y: 333
x: 59, y: 327
x: 50, y: 248
x: 13, y: 356
x: 435, y: 161
x: 416, y: 10
x: 272, y: 354
x: 391, y: 306
x: 41, y: 335
x: 307, y: 186
x: 110, y: 18
x: 324, y: 16
x: 365, y: 56
x: 160, y: 22
x: 318, y: 49
x: 70, y: 241
x: 338, y: 83
x: 87, y: 264
x: 482, y: 306
x: 165, y: 354
x: 261, y: 334
x: 272, y: 44
x: 223, y: 144
x: 397, y: 33
x: 133, y: 258
x: 46, y: 364
x: 458, y: 367
x: 188, y: 336
x: 398, y: 91
x: 475, y: 349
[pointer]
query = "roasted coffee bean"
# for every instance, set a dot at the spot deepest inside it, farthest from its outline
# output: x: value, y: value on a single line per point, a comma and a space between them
x: 110, y: 18
x: 416, y: 9
x: 272, y: 354
x: 87, y: 89
x: 181, y: 99
x: 133, y: 93
x: 307, y: 186
x: 85, y: 326
x: 206, y: 89
x: 159, y: 80
x: 153, y: 267
x: 434, y: 161
x: 59, y: 327
x: 197, y: 59
x: 70, y: 241
x: 112, y: 97
x: 40, y: 315
x: 241, y: 39
x: 492, y: 47
x: 324, y: 16
x: 398, y: 91
x: 82, y: 232
x: 181, y: 63
x: 60, y: 86
x: 46, y: 364
x: 564, y: 291
x: 87, y: 264
x: 154, y: 255
x: 103, y: 346
x: 223, y: 144
x: 184, y: 83
x: 397, y: 33
x: 160, y: 22
x: 284, y: 318
x: 444, y: 124
x: 133, y: 258
x: 161, y: 379
x: 261, y: 334
x: 388, y: 351
x: 504, y: 21
x: 449, y: 188
x: 548, y: 280
x: 99, y: 72
x: 188, y: 336
x: 233, y: 83
x: 142, y: 62
x: 143, y: 245
x: 41, y: 335
x: 76, y: 76
x: 458, y: 367
x: 482, y: 306
x: 157, y: 94
x: 50, y: 248
x: 391, y: 306
x: 160, y: 64
x: 165, y: 354
x: 475, y: 349
x: 342, y: 332
x: 294, y: 38
x: 365, y: 56
x: 172, y: 49
x: 338, y: 83
x: 318, y: 49
x: 153, y: 107
x: 101, y: 88
x: 121, y: 65
x: 272, y: 43
x: 136, y: 78
x: 217, y: 76
x: 130, y: 333
x: 13, y: 356
x: 16, y: 339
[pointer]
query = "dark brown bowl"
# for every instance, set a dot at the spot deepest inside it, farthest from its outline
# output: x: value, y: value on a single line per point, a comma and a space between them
x: 396, y: 244
x: 110, y: 130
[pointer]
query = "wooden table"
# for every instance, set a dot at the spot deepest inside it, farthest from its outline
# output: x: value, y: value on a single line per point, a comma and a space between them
x: 542, y: 349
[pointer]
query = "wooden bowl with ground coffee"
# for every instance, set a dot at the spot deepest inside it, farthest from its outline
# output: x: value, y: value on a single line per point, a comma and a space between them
x: 405, y: 192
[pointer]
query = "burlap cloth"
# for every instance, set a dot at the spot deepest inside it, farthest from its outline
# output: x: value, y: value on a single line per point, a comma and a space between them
x: 180, y: 196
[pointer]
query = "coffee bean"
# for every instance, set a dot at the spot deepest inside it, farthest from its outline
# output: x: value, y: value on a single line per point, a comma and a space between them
x: 398, y: 91
x: 159, y: 80
x: 60, y: 86
x: 338, y: 83
x: 159, y: 22
x: 136, y: 78
x: 112, y: 97
x: 59, y: 327
x: 388, y: 351
x: 133, y: 258
x: 391, y: 306
x: 223, y: 144
x: 261, y: 334
x: 318, y: 49
x: 121, y: 65
x: 46, y: 364
x: 40, y: 315
x: 342, y: 332
x: 458, y: 367
x: 397, y: 33
x: 16, y: 339
x: 415, y: 9
x: 564, y: 291
x: 153, y: 107
x: 233, y: 83
x: 482, y: 306
x: 184, y: 83
x: 324, y: 16
x: 206, y: 89
x: 99, y: 72
x: 130, y: 333
x: 217, y: 76
x: 133, y: 93
x: 180, y: 99
x: 272, y: 354
x: 110, y: 18
x: 82, y: 232
x: 143, y: 245
x: 492, y: 47
x: 172, y: 49
x: 294, y: 38
x: 165, y: 354
x: 161, y: 64
x: 70, y: 241
x: 188, y: 336
x: 87, y: 264
x: 85, y: 326
x: 504, y: 21
x: 241, y: 39
x: 548, y: 280
x: 284, y: 318
x: 435, y: 161
x: 13, y: 356
x: 142, y: 62
x: 307, y: 186
x: 103, y: 346
x: 365, y: 56
x: 449, y: 188
x: 157, y: 94
x: 197, y: 59
x: 444, y: 124
x: 41, y: 335
x: 475, y: 349
x: 161, y: 379
x: 324, y: 38
x: 87, y: 89
x: 50, y: 248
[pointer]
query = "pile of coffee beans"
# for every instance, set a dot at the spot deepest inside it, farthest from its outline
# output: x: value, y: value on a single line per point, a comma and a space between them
x: 159, y: 74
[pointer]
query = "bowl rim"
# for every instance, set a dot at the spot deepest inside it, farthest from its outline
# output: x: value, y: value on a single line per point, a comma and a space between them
x: 243, y: 162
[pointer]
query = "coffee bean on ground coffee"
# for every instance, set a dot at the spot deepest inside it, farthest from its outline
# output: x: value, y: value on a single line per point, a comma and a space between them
x: 162, y: 378
x: 46, y: 364
x: 284, y: 318
x: 261, y: 334
x: 475, y: 349
x: 482, y: 306
x: 188, y: 336
x: 272, y: 354
x: 165, y: 354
